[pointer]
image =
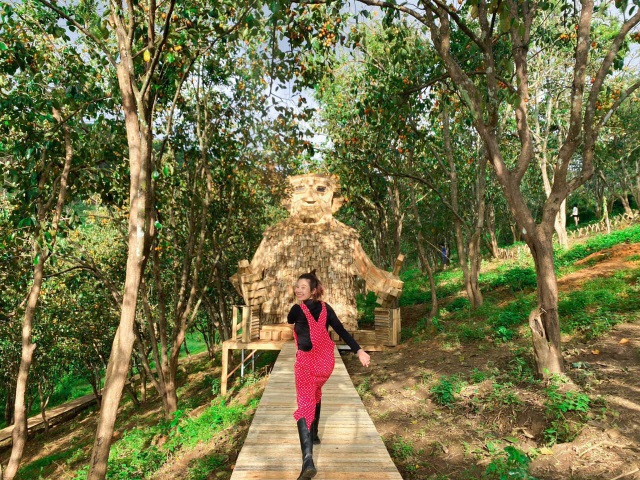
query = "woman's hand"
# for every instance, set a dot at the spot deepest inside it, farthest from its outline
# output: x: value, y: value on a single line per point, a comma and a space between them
x: 364, y: 358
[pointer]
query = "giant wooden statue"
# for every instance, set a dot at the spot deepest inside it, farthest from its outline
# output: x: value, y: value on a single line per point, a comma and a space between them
x: 312, y: 239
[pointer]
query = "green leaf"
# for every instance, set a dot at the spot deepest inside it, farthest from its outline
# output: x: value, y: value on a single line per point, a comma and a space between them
x: 158, y: 225
x: 36, y: 260
x: 3, y: 46
x: 155, y: 174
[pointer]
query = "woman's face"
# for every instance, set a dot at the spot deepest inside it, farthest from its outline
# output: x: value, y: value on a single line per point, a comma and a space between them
x: 303, y: 289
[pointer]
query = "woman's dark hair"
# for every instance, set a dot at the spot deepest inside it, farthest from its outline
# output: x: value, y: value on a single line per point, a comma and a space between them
x: 314, y: 284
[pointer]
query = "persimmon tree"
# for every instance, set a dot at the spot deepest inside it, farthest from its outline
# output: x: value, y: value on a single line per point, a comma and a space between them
x: 50, y: 91
x: 503, y: 35
x: 388, y: 116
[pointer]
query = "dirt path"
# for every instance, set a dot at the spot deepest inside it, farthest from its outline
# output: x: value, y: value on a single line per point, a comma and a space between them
x: 602, y: 264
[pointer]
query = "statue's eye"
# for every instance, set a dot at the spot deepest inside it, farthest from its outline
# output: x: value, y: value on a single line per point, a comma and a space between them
x: 321, y: 189
x: 299, y: 188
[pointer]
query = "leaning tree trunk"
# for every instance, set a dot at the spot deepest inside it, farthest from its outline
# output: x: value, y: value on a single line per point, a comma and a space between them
x: 544, y: 321
x: 20, y: 414
x: 41, y: 256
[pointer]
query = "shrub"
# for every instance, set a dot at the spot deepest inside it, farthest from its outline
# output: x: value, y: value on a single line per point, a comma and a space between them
x: 502, y: 394
x: 201, y: 468
x: 445, y: 390
x: 512, y: 464
x: 460, y: 303
x: 402, y: 449
x: 364, y: 387
x: 566, y: 413
x: 471, y: 332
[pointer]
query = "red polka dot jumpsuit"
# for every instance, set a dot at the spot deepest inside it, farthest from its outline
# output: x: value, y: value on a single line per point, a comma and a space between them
x: 313, y: 368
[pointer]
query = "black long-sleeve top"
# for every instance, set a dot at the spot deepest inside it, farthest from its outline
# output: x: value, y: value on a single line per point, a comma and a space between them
x: 301, y: 325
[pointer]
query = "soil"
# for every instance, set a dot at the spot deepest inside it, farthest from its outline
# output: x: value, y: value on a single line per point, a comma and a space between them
x: 429, y: 441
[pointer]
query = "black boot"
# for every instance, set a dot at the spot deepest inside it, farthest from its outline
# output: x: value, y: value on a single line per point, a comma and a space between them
x: 306, y: 445
x: 314, y: 425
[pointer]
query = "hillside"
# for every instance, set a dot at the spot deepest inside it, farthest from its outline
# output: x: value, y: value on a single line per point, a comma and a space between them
x: 457, y: 399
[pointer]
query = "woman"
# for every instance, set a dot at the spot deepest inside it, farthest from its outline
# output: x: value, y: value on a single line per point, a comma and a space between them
x: 314, y: 360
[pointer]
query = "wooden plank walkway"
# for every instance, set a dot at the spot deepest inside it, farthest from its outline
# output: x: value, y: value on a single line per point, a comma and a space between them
x: 351, y: 447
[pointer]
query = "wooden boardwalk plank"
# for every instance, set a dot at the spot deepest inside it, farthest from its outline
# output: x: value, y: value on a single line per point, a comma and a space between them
x: 351, y: 447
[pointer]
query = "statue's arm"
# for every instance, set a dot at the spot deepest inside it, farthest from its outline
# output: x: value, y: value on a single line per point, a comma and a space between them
x: 386, y: 285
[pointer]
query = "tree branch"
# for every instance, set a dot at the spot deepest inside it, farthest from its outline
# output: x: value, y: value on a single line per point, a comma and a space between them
x: 86, y: 32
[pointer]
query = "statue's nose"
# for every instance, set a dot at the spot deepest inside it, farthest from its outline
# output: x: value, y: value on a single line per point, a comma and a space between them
x: 308, y: 198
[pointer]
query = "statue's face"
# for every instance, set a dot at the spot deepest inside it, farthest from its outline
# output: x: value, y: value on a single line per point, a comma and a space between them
x: 312, y: 197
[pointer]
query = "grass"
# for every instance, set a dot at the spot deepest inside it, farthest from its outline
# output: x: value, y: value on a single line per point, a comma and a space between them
x: 590, y: 311
x: 596, y: 244
x: 72, y: 387
x: 38, y: 469
x: 600, y: 304
x: 142, y: 451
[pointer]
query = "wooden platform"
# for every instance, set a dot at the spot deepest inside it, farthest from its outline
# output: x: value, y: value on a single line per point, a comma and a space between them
x: 351, y: 447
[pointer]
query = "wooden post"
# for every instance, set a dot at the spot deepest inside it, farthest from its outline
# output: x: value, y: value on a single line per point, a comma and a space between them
x: 396, y: 321
x: 234, y: 321
x: 225, y: 368
x: 382, y: 325
x: 246, y: 324
x: 398, y: 265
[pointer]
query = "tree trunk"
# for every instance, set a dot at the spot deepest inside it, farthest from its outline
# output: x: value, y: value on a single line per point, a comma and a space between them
x: 422, y: 255
x: 131, y: 390
x: 543, y: 321
x: 143, y: 385
x: 43, y: 407
x: 560, y: 225
x: 475, y: 257
x: 607, y: 222
x: 635, y: 190
x: 96, y: 391
x: 470, y: 277
x: 9, y: 404
x: 491, y: 227
x: 225, y: 324
x: 398, y: 216
x: 515, y: 232
x: 41, y: 256
x: 20, y: 414
x: 139, y: 143
x: 624, y: 199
